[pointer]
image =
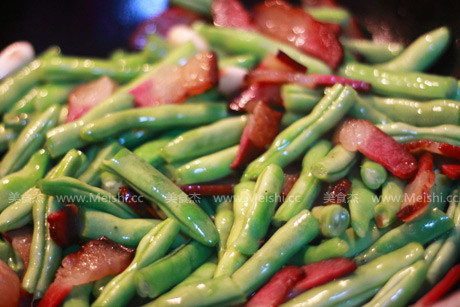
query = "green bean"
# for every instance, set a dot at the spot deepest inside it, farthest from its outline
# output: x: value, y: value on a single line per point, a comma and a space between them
x: 247, y: 61
x: 52, y: 94
x: 37, y: 245
x: 62, y: 119
x: 11, y: 257
x: 202, y: 7
x: 426, y: 113
x: 335, y: 15
x: 362, y: 109
x: 155, y: 49
x: 167, y: 272
x: 422, y: 229
x: 239, y: 41
x: 149, y: 182
x: 367, y: 277
x: 124, y: 231
x: 203, y: 273
x: 400, y: 288
x: 357, y: 244
x: 79, y: 296
x: 360, y: 299
x: 449, y: 252
x: 15, y: 184
x: 295, y: 139
x: 71, y: 190
x: 373, y: 52
x: 17, y: 122
x: 335, y: 165
x: 422, y: 53
x: 432, y: 249
x: 281, y: 246
x: 151, y: 151
x: 153, y: 118
x: 332, y: 248
x: 333, y: 219
x: 69, y: 165
x: 289, y: 118
x: 28, y: 142
x: 7, y: 136
x: 439, y: 192
x: 403, y: 132
x: 362, y: 203
x: 206, y: 168
x: 224, y: 222
x: 205, y: 140
x: 390, y: 203
x: 129, y: 59
x: 230, y: 262
x: 26, y: 103
x: 373, y: 174
x: 17, y: 85
x: 99, y: 285
x: 65, y: 137
x: 133, y: 138
x: 260, y: 210
x: 120, y: 290
x: 307, y: 187
x: 92, y: 174
x: 299, y: 99
x: 402, y: 84
x: 111, y: 183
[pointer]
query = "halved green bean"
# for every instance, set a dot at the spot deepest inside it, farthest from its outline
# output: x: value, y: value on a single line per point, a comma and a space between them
x: 333, y: 219
x: 422, y: 229
x: 402, y: 84
x: 403, y: 132
x: 281, y: 246
x: 50, y: 94
x: 15, y: 184
x: 331, y: 248
x: 367, y: 277
x: 337, y: 15
x: 260, y: 210
x: 299, y: 99
x: 361, y: 202
x: 167, y: 272
x: 224, y: 222
x: 207, y: 168
x: 29, y: 141
x: 295, y: 139
x: 120, y: 290
x: 362, y: 109
x: 373, y: 174
x: 373, y: 52
x: 247, y: 61
x: 400, y: 288
x: 422, y: 53
x: 239, y: 41
x: 307, y: 187
x: 357, y: 244
x: 391, y: 199
x: 335, y: 165
x: 71, y: 190
x: 205, y: 140
x: 156, y: 187
x: 128, y: 232
x: 154, y: 119
x: 79, y: 296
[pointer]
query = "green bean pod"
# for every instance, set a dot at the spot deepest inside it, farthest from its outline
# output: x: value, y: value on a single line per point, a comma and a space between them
x: 373, y: 174
x: 205, y: 140
x: 335, y: 15
x: 111, y: 183
x: 361, y: 203
x: 333, y: 219
x: 357, y: 244
x: 79, y: 296
x: 162, y: 275
x: 15, y: 184
x: 260, y: 210
x: 400, y: 288
x: 362, y: 109
x: 7, y: 136
x: 50, y: 94
x: 123, y: 231
x: 295, y: 139
x: 335, y: 165
x: 373, y: 52
x: 422, y: 53
x: 29, y: 141
x: 120, y: 290
x: 25, y: 104
x: 203, y: 273
x: 439, y: 192
x: 149, y: 182
x: 307, y: 187
x: 432, y: 249
x: 155, y: 49
x: 247, y: 61
x: 237, y: 41
x: 154, y: 119
x: 11, y: 257
x: 403, y: 133
x: 17, y: 122
x: 289, y: 118
x: 299, y: 99
x: 331, y: 248
x: 151, y: 151
x: 281, y: 246
x: 206, y: 168
x: 99, y: 285
x: 402, y: 84
x: 390, y: 203
x: 359, y: 299
x: 422, y: 229
x: 224, y: 222
x: 367, y: 277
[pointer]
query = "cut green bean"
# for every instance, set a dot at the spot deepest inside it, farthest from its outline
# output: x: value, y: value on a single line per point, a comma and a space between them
x: 79, y: 296
x: 151, y: 151
x: 224, y: 222
x: 357, y: 244
x: 155, y: 49
x: 391, y: 199
x: 26, y: 103
x: 328, y: 249
x: 362, y: 109
x: 50, y: 94
x: 362, y: 202
x: 247, y: 61
x: 337, y: 15
x: 299, y: 99
x: 7, y: 136
x: 333, y: 219
x: 335, y: 165
x: 373, y: 52
x: 373, y: 174
x: 439, y: 192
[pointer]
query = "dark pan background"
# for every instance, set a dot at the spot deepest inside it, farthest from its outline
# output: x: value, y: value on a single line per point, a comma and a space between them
x: 96, y: 27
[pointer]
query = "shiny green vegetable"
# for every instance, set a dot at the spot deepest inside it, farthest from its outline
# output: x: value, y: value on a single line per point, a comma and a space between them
x: 155, y: 49
x: 402, y: 84
x: 79, y: 296
x: 295, y: 139
x: 439, y: 192
x: 207, y: 168
x: 373, y: 174
x: 307, y: 187
x: 422, y: 229
x: 7, y: 136
x: 331, y: 248
x: 335, y: 15
x: 333, y: 219
x: 422, y: 53
x: 247, y: 61
x: 367, y: 277
x: 390, y: 203
x: 373, y: 52
x: 281, y: 246
x: 203, y: 273
x: 17, y: 122
x: 151, y: 151
x: 224, y: 222
x: 362, y: 109
x: 11, y: 257
x: 299, y: 99
x: 335, y: 165
x: 150, y: 183
x: 361, y: 203
x: 29, y: 141
x: 52, y: 94
x: 25, y: 104
x: 357, y: 244
x: 289, y: 118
